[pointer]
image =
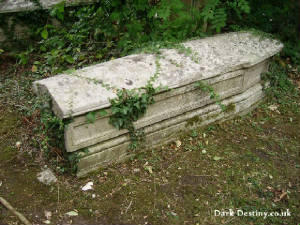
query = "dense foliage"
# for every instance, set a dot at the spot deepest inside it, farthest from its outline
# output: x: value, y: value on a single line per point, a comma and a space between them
x: 84, y: 34
x: 279, y: 18
x: 112, y: 28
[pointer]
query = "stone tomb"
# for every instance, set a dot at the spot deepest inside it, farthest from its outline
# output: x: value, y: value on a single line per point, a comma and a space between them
x: 231, y: 63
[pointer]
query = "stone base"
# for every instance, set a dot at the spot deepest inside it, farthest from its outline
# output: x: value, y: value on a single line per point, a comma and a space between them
x: 116, y: 149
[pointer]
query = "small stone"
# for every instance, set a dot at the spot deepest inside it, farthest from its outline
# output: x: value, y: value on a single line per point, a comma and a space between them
x: 18, y: 144
x: 136, y: 170
x: 48, y: 214
x: 178, y: 143
x: 203, y: 151
x: 46, y: 177
x: 88, y: 186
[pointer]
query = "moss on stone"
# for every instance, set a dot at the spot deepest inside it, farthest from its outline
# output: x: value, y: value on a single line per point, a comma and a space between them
x: 193, y: 121
x: 230, y: 108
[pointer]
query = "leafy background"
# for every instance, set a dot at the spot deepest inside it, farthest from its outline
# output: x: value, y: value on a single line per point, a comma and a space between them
x: 84, y: 34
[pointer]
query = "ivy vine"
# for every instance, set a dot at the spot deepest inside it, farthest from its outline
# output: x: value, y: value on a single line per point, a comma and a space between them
x: 130, y: 105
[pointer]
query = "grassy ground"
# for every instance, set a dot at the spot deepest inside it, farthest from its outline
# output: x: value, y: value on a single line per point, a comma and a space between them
x: 248, y: 163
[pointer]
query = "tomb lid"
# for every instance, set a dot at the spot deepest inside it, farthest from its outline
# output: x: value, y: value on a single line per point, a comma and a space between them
x: 8, y: 6
x: 78, y: 92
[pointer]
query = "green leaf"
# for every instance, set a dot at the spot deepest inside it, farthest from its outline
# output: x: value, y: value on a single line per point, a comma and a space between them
x: 149, y: 169
x: 102, y: 112
x: 69, y: 59
x: 69, y: 71
x: 72, y: 213
x: 124, y: 110
x: 217, y: 158
x: 91, y: 117
x: 137, y: 105
x: 115, y: 110
x: 44, y: 34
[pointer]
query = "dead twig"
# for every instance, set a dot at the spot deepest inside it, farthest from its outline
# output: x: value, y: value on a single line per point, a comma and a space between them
x: 128, y: 207
x: 14, y: 211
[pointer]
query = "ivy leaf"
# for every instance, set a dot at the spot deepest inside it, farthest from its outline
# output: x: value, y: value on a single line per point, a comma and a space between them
x: 44, y: 34
x: 69, y: 59
x: 69, y: 71
x: 91, y: 117
x: 102, y: 112
x: 124, y: 110
x: 137, y: 105
x: 34, y: 68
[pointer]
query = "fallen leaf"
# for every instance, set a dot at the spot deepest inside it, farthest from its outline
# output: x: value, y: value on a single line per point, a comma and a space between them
x: 34, y: 68
x: 72, y: 213
x: 102, y: 179
x: 48, y: 214
x: 178, y: 143
x: 173, y: 213
x: 269, y: 188
x: 217, y: 158
x: 272, y: 107
x: 136, y: 170
x: 88, y: 186
x: 149, y: 169
x: 282, y: 195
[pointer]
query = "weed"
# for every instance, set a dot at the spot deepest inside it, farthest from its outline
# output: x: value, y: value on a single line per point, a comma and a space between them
x: 281, y: 89
x: 212, y: 94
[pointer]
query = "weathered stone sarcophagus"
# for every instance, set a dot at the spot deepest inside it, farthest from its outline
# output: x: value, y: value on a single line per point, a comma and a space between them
x: 230, y: 63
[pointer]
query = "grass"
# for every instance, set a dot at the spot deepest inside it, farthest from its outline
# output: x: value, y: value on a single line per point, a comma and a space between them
x: 248, y: 163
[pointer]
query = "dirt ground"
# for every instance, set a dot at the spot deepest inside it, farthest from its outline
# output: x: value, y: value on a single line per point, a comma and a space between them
x: 248, y: 163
